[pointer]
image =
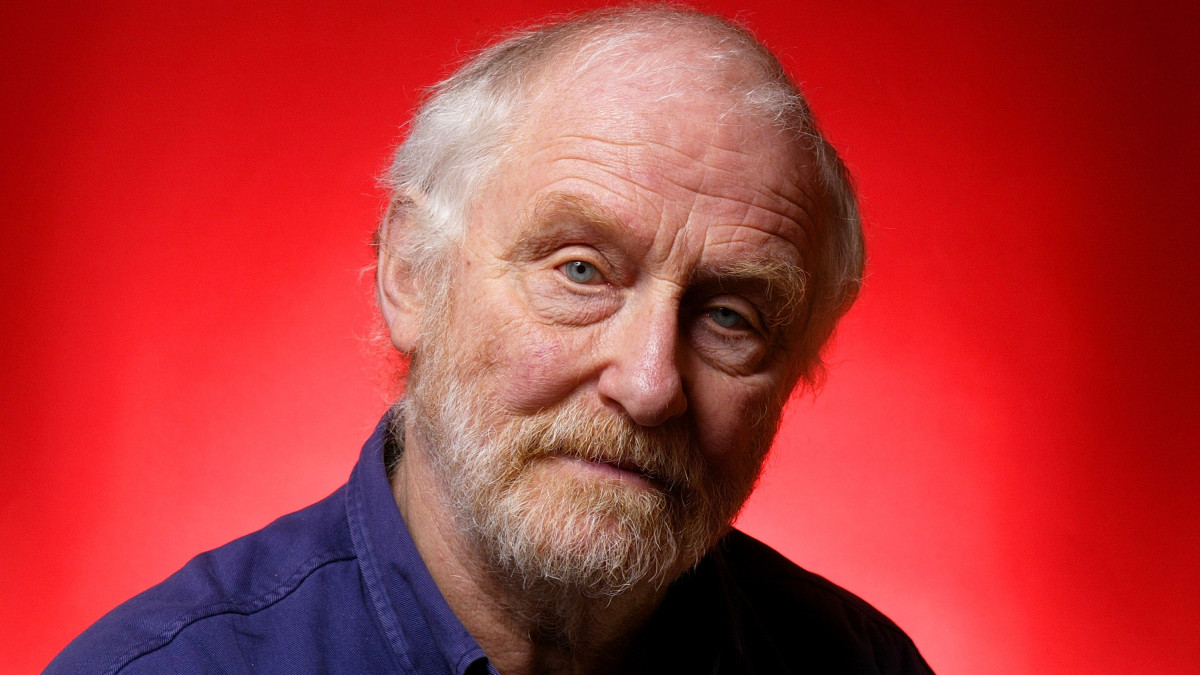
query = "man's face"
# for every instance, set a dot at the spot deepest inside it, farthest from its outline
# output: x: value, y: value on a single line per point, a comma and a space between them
x: 600, y: 390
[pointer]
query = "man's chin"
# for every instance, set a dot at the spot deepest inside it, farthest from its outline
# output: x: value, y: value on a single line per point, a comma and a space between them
x: 577, y: 526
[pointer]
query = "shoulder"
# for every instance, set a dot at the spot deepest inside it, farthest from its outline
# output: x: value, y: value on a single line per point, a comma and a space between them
x: 221, y: 598
x: 809, y: 621
x: 772, y: 581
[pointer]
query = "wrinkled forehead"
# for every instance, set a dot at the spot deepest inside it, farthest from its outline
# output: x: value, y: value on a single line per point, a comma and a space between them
x: 672, y: 127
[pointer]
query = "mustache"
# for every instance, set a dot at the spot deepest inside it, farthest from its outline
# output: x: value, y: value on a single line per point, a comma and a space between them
x: 666, y: 454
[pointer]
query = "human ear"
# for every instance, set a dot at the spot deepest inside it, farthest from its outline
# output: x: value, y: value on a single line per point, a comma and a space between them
x: 396, y: 287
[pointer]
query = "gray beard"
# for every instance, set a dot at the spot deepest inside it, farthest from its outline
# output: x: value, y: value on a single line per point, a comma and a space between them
x: 557, y: 547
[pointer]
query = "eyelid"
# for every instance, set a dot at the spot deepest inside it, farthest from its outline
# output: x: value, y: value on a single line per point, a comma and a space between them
x: 582, y: 253
x: 740, y: 306
x: 597, y: 277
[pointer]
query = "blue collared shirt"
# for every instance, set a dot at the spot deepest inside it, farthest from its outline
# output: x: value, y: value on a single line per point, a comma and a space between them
x: 340, y: 588
x: 335, y: 588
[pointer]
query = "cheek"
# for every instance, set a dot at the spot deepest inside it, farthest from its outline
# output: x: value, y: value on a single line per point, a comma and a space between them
x: 515, y: 357
x: 531, y: 367
x: 551, y: 302
x: 734, y: 420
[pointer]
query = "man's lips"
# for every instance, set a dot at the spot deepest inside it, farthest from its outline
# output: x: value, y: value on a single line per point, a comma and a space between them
x: 610, y: 470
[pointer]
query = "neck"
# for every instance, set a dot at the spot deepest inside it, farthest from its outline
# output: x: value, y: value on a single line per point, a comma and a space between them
x: 523, y: 627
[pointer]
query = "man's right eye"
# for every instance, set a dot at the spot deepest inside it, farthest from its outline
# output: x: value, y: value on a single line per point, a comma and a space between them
x: 580, y: 272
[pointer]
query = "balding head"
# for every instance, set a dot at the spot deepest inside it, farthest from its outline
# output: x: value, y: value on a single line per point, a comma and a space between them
x: 466, y: 127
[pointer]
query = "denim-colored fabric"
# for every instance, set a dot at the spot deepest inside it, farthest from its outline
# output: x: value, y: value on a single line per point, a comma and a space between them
x: 340, y: 588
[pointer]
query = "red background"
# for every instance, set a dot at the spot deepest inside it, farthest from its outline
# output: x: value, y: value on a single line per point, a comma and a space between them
x: 1005, y: 459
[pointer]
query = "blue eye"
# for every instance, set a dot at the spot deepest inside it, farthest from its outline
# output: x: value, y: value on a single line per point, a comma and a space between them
x: 726, y: 317
x: 579, y: 271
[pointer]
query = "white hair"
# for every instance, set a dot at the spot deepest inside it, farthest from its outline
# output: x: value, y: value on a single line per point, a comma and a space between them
x: 461, y: 133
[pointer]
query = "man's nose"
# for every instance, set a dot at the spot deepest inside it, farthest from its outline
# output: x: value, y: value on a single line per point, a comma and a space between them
x: 642, y: 374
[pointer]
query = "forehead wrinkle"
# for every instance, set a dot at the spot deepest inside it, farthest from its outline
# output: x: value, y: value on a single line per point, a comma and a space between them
x: 611, y: 171
x: 628, y: 172
x: 682, y: 160
x: 761, y: 189
x: 776, y: 207
x: 723, y: 215
x: 589, y: 208
x: 763, y: 194
x: 777, y: 226
x: 803, y: 205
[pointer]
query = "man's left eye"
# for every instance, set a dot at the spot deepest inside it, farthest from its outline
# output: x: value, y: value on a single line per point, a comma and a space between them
x: 579, y: 271
x: 726, y: 317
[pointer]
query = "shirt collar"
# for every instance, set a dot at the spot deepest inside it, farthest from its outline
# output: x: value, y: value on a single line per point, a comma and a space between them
x: 422, y: 629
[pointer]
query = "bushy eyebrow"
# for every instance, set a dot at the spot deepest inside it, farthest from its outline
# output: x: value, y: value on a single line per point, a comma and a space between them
x: 534, y: 236
x: 781, y: 282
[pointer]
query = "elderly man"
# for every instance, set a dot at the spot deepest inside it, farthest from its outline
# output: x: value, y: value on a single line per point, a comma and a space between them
x: 615, y: 246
